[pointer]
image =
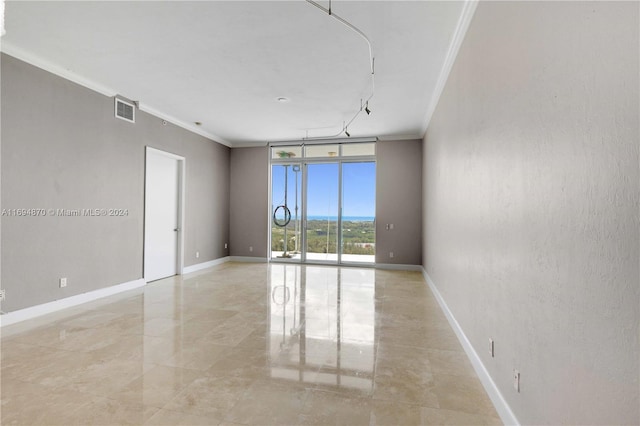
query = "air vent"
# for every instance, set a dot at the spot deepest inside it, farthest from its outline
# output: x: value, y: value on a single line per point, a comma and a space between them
x: 125, y: 110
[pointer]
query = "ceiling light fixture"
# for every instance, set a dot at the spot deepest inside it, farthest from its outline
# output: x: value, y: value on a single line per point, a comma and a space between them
x: 371, y: 65
x: 282, y: 99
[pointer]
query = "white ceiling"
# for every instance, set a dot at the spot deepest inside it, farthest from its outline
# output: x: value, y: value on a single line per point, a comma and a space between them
x: 224, y: 63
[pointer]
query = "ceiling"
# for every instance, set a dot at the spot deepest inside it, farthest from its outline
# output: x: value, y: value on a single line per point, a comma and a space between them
x: 225, y: 63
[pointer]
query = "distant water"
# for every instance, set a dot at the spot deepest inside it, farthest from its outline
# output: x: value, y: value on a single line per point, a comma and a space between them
x: 344, y: 218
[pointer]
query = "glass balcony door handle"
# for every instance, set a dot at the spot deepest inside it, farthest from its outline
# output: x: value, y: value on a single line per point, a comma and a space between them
x: 177, y: 229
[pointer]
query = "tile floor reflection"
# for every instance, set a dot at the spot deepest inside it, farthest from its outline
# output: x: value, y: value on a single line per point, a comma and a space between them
x: 246, y: 344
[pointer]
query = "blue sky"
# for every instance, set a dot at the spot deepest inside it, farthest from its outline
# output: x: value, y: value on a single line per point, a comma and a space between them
x: 358, y: 189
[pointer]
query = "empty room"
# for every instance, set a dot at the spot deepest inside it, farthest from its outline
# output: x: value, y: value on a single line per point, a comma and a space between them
x: 324, y: 212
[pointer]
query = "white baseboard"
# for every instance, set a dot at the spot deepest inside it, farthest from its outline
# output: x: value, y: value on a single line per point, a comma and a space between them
x: 399, y: 267
x: 67, y: 302
x: 502, y: 407
x: 204, y: 265
x: 248, y: 259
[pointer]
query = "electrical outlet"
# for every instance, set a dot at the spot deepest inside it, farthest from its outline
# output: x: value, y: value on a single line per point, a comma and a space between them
x: 226, y: 245
x: 391, y: 254
x: 63, y: 282
x: 2, y: 294
x: 491, y: 348
x: 391, y: 226
x: 197, y: 254
x: 250, y: 248
x: 516, y: 380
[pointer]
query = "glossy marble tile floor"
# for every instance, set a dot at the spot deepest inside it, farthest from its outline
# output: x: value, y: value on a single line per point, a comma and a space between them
x: 246, y: 344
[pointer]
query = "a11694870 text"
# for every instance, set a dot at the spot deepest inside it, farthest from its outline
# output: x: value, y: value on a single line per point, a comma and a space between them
x: 33, y: 212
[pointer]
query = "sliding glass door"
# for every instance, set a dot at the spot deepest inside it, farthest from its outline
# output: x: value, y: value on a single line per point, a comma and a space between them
x: 322, y: 209
x: 323, y: 203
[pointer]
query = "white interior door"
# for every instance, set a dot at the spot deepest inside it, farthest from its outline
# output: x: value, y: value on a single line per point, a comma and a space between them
x: 162, y: 217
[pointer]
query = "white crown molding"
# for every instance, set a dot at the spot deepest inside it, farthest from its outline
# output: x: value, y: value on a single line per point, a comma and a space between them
x: 18, y: 53
x: 502, y: 407
x: 464, y: 21
x: 185, y: 125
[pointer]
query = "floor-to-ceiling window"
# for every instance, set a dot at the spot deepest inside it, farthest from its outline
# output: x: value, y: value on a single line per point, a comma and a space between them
x: 323, y: 203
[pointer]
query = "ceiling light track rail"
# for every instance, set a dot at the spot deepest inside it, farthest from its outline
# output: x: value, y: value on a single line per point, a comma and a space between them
x: 350, y: 26
x: 363, y: 105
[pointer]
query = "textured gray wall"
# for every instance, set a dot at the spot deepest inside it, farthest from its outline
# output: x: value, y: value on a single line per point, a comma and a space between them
x: 399, y: 201
x: 63, y: 148
x: 531, y: 205
x: 249, y: 201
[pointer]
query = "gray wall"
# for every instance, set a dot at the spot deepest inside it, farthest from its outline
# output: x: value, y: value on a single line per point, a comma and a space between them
x: 531, y: 205
x: 399, y: 202
x: 249, y: 201
x: 63, y: 148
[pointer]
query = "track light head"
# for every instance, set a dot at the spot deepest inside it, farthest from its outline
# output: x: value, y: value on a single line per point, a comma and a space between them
x: 346, y: 132
x: 366, y: 109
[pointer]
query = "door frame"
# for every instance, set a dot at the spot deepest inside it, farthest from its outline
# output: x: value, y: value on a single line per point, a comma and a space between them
x: 182, y: 165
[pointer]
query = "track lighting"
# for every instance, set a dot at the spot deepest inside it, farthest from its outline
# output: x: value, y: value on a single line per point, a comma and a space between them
x: 356, y: 30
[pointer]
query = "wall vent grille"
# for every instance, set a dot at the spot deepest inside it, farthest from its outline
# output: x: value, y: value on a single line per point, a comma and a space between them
x: 125, y: 110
